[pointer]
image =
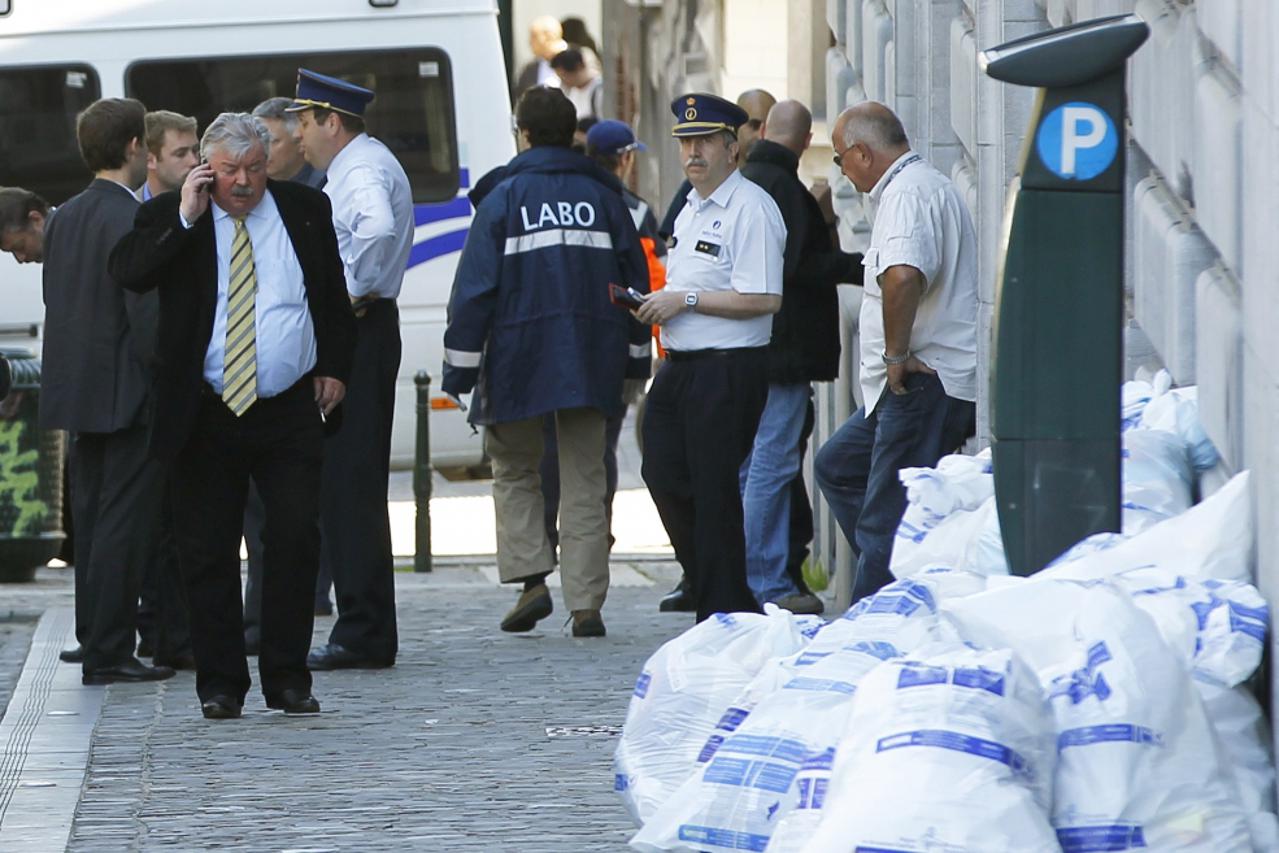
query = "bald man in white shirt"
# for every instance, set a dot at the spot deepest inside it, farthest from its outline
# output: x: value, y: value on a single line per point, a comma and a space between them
x: 918, y: 329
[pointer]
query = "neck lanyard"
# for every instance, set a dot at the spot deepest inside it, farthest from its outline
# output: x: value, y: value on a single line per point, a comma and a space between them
x: 914, y: 158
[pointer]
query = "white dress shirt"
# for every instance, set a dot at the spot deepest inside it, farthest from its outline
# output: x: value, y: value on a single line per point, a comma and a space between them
x: 373, y: 217
x: 284, y: 332
x: 920, y: 220
x: 732, y: 240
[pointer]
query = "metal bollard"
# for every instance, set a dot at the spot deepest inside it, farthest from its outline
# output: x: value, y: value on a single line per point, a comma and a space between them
x: 422, y: 475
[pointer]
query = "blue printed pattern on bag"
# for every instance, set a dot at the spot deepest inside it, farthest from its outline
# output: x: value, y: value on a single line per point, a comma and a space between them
x: 814, y: 778
x: 902, y: 598
x: 876, y: 649
x: 1085, y: 682
x: 812, y: 793
x: 1110, y: 733
x: 728, y: 722
x: 773, y: 775
x: 821, y: 685
x: 727, y: 838
x: 977, y: 678
x: 642, y: 684
x: 810, y: 658
x: 620, y: 782
x: 942, y: 739
x: 860, y: 849
x: 1098, y: 839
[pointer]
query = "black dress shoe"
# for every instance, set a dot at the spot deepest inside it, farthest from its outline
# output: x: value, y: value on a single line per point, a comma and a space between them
x: 183, y: 660
x: 75, y: 655
x: 334, y: 656
x: 678, y: 600
x: 131, y: 670
x: 220, y: 707
x: 294, y: 701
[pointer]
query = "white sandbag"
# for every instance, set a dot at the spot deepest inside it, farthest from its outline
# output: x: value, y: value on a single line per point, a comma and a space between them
x: 1241, y: 728
x: 1138, y: 765
x: 749, y: 783
x: 966, y: 540
x: 948, y: 750
x: 1157, y: 480
x: 1177, y: 411
x: 902, y: 614
x: 1218, y: 628
x: 685, y: 689
x: 1134, y: 396
x: 1212, y: 539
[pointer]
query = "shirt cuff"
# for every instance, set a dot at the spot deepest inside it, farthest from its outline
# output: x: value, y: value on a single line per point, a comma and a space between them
x: 186, y: 225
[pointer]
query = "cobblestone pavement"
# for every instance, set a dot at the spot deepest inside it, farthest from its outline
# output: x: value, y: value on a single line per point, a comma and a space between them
x: 449, y: 750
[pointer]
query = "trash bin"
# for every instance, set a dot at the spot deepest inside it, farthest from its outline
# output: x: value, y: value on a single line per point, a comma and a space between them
x: 31, y: 462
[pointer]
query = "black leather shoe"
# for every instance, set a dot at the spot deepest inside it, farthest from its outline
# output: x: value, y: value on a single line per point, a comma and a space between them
x: 131, y: 670
x: 678, y: 600
x: 533, y: 605
x: 294, y: 701
x: 75, y: 655
x: 220, y: 707
x: 334, y: 656
x: 184, y: 660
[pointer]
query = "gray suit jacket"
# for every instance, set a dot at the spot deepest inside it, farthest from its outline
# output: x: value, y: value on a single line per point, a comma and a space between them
x: 98, y: 339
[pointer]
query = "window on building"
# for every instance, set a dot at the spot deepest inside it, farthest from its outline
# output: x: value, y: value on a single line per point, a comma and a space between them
x: 412, y: 113
x: 38, y: 106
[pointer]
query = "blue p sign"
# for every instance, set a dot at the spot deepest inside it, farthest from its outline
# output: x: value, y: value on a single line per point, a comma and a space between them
x: 1077, y: 141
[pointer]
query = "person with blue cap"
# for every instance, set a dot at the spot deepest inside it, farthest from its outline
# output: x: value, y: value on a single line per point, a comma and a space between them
x: 723, y: 284
x: 373, y: 216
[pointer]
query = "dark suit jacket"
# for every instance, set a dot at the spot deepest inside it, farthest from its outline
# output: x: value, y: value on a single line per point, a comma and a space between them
x: 94, y: 377
x: 182, y: 264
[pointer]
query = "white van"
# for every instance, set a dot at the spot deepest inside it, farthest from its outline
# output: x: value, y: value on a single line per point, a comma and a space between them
x: 442, y: 106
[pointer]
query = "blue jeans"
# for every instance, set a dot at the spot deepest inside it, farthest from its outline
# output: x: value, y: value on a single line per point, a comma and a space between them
x: 766, y: 478
x: 856, y: 469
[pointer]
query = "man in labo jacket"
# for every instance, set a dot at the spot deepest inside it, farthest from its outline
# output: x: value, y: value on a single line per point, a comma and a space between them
x: 532, y: 331
x: 804, y: 349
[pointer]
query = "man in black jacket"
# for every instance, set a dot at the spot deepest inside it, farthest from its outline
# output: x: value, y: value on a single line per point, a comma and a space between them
x: 804, y: 349
x: 256, y: 337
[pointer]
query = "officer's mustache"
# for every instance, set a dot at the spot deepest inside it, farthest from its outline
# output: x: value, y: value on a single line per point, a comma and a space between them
x: 694, y: 161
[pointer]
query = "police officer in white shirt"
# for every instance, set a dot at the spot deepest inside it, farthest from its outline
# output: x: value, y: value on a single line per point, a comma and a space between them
x: 373, y: 217
x: 723, y: 284
x: 918, y: 331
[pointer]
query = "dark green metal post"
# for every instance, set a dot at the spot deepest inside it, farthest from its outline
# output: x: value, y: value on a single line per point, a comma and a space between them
x: 422, y: 475
x: 1058, y: 346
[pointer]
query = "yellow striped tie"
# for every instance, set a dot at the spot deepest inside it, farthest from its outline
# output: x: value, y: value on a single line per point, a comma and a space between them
x: 240, y: 358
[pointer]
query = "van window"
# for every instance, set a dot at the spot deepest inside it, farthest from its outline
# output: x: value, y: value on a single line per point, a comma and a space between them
x: 412, y: 113
x: 38, y: 106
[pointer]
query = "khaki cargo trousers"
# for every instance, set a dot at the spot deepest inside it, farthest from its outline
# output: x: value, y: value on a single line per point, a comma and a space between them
x: 515, y: 450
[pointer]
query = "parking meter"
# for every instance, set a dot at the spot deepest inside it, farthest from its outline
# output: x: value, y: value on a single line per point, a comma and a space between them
x: 1058, y: 341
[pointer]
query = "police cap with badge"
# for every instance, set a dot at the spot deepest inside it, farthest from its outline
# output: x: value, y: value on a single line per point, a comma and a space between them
x: 320, y: 91
x: 698, y: 114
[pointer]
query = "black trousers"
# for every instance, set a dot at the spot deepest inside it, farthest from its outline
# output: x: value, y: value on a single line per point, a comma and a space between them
x: 254, y: 520
x: 279, y: 442
x: 356, y: 541
x: 162, y: 612
x: 116, y: 492
x: 699, y: 425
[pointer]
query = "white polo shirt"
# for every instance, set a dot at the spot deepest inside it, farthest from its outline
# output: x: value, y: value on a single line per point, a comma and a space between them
x: 732, y: 240
x: 919, y: 219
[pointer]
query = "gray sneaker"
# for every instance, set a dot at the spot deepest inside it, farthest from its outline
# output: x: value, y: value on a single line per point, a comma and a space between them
x: 802, y: 603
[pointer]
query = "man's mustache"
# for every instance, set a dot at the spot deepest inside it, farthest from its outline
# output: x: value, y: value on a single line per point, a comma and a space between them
x: 242, y: 192
x: 694, y: 161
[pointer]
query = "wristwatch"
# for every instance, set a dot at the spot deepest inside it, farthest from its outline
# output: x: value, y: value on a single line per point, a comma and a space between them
x: 892, y: 360
x: 690, y: 299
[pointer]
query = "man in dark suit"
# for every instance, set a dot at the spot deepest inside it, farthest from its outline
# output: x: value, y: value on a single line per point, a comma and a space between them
x: 255, y: 344
x: 95, y: 385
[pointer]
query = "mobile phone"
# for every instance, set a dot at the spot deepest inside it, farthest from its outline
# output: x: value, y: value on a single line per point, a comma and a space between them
x: 204, y: 187
x: 627, y: 297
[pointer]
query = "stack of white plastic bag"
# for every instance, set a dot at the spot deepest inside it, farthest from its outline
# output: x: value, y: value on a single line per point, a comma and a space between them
x: 685, y: 689
x: 951, y: 519
x: 951, y: 749
x: 763, y: 773
x: 1139, y: 766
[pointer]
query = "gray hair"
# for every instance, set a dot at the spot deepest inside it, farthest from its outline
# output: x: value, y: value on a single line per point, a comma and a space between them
x: 275, y: 108
x: 874, y: 125
x: 234, y: 133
